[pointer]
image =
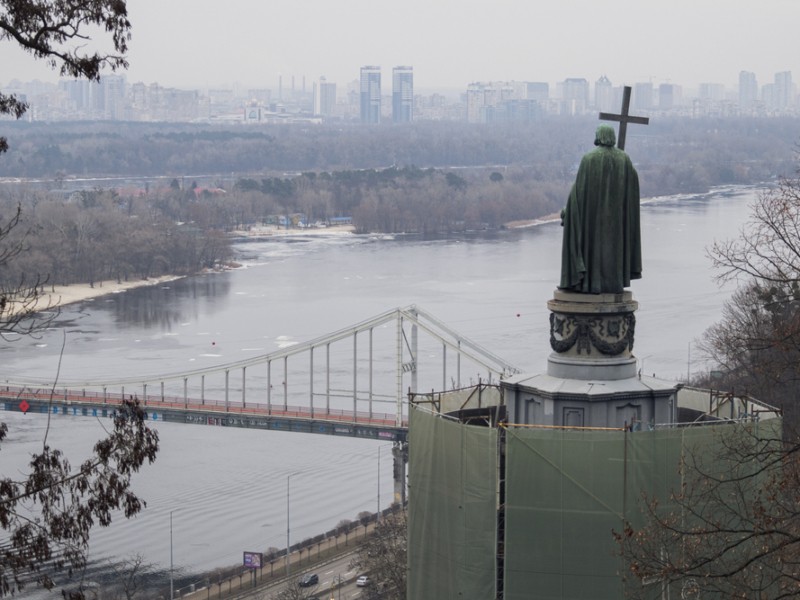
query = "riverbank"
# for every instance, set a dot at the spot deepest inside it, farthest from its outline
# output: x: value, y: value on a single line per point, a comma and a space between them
x: 269, y: 231
x: 60, y: 295
x: 524, y: 224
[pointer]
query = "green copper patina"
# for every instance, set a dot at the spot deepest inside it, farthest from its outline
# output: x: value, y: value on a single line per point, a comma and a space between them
x: 601, y: 249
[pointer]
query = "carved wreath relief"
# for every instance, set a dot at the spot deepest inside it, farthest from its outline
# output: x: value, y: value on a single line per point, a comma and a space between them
x: 610, y: 335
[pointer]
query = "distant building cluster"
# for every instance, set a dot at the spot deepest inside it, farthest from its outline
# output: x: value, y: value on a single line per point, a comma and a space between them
x: 366, y: 101
x: 523, y: 101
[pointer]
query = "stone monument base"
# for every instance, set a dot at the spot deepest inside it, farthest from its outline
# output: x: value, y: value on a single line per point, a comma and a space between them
x: 601, y: 369
x: 592, y: 336
x: 636, y: 403
x: 591, y: 378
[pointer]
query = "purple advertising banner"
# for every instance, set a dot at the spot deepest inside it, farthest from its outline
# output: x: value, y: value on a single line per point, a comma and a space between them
x: 253, y: 560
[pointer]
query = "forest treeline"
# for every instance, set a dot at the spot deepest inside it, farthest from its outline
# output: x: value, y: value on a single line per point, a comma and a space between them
x: 673, y: 154
x: 203, y: 181
x: 97, y: 236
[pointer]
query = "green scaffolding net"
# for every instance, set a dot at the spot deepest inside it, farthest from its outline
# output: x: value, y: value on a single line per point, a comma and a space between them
x: 565, y: 491
x: 452, y: 520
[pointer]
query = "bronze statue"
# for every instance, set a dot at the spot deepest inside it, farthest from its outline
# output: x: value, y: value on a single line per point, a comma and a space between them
x: 601, y: 249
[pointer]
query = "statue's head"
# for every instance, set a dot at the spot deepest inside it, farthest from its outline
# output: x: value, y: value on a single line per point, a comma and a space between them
x: 605, y: 136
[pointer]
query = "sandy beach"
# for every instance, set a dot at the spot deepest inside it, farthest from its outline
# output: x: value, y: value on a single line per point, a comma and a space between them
x: 533, y: 222
x: 267, y: 231
x: 78, y: 292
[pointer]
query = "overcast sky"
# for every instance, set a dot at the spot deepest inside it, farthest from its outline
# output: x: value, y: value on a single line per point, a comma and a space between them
x: 450, y: 43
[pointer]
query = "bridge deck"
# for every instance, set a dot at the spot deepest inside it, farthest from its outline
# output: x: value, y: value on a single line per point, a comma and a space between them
x: 328, y: 421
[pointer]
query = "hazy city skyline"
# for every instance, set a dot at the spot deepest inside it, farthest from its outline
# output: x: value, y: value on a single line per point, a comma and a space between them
x: 200, y: 44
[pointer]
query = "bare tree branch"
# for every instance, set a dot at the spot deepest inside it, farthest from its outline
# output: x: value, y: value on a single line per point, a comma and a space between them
x: 732, y: 529
x: 57, y: 32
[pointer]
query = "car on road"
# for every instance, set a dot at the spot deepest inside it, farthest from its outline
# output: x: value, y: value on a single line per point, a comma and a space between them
x: 308, y: 580
x: 362, y: 581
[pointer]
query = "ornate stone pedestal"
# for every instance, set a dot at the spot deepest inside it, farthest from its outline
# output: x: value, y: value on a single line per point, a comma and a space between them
x: 592, y: 336
x: 591, y: 378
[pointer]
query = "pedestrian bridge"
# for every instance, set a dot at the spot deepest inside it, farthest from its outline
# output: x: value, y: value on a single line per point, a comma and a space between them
x: 353, y: 382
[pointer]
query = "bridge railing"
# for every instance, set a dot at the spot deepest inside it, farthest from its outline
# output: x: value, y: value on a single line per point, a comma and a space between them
x: 106, y: 398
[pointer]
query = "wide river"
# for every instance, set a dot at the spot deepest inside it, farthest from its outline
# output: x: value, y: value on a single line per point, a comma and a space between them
x: 226, y: 489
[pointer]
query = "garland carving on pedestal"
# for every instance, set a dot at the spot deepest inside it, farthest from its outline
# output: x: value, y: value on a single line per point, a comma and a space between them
x: 588, y: 331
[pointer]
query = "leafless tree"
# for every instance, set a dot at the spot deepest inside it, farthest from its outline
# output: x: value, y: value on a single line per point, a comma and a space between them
x: 756, y: 345
x: 129, y: 574
x: 383, y: 555
x: 767, y: 249
x: 343, y: 527
x: 732, y: 529
x: 365, y: 518
x: 23, y: 307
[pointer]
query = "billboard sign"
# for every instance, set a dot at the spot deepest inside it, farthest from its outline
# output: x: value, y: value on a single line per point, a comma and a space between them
x: 253, y: 560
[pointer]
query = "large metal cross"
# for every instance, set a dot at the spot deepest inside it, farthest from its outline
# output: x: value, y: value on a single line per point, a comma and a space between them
x: 624, y: 118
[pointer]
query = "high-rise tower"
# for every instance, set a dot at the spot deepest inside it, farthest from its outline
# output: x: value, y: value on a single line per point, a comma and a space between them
x: 784, y: 90
x: 370, y: 94
x: 748, y: 90
x: 324, y: 97
x: 643, y: 96
x: 403, y: 94
x: 604, y: 94
x: 575, y: 96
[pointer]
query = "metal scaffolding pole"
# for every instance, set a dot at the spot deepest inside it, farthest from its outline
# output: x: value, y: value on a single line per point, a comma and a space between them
x: 269, y: 387
x: 227, y: 378
x: 328, y: 377
x: 370, y: 372
x: 311, y: 379
x: 355, y: 376
x: 458, y: 364
x: 444, y: 367
x: 285, y: 383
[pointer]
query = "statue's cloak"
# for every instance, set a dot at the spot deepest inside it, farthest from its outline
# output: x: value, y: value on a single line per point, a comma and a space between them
x: 601, y: 249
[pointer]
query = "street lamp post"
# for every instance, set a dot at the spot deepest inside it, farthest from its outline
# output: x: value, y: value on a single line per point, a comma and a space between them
x: 338, y: 581
x: 288, y: 544
x: 171, y: 583
x: 378, y: 514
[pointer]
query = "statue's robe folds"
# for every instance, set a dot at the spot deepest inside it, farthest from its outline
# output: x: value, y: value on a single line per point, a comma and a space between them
x: 601, y: 249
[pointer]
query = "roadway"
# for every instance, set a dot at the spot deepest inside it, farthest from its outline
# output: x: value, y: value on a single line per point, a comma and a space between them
x: 337, y: 580
x: 332, y: 568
